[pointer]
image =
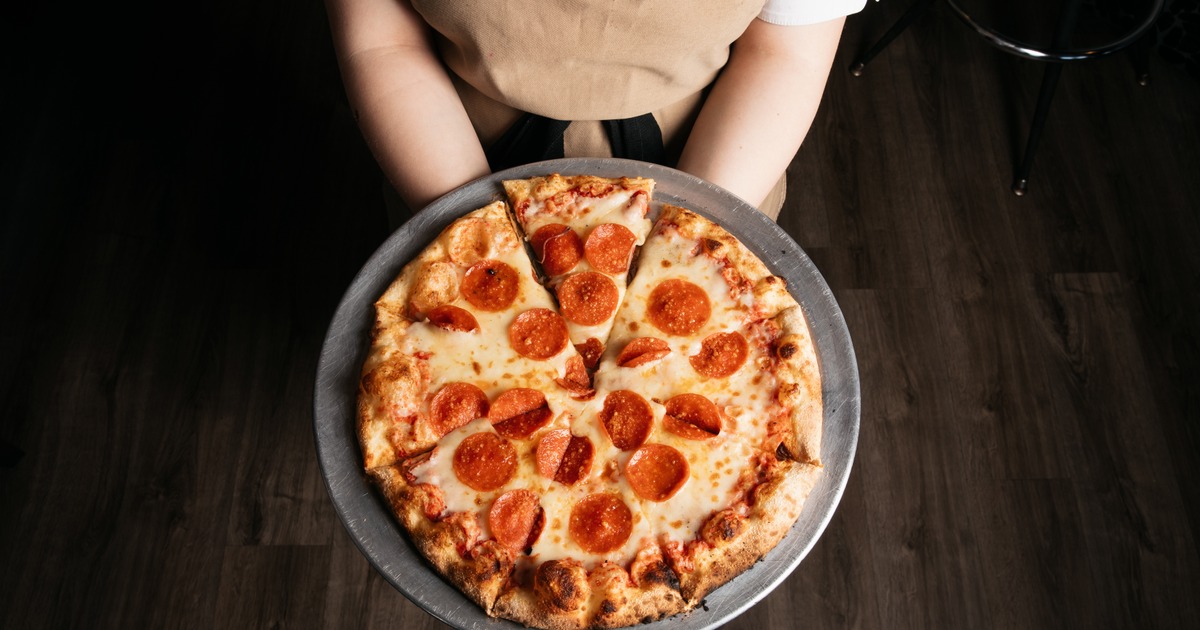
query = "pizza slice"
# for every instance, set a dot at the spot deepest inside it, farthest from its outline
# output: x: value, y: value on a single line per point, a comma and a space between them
x: 710, y: 388
x: 463, y: 327
x: 583, y: 231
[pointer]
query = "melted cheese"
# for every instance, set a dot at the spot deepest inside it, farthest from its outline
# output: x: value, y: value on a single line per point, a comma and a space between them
x: 556, y: 499
x: 485, y: 357
x: 588, y: 212
x: 743, y: 397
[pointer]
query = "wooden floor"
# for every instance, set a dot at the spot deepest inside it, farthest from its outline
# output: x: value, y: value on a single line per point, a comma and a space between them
x: 184, y: 204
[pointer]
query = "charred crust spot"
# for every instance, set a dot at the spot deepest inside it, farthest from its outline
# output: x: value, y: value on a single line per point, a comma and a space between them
x: 722, y: 528
x: 607, y: 607
x: 491, y: 561
x: 786, y: 350
x: 660, y: 573
x: 559, y: 585
x: 713, y: 246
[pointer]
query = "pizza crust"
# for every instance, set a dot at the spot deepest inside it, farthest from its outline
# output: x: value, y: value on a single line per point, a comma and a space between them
x: 732, y: 542
x: 799, y: 377
x: 524, y: 192
x: 480, y: 569
x: 564, y: 596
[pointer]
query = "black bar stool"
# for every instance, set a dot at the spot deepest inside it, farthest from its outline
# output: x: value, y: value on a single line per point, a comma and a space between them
x: 1055, y: 32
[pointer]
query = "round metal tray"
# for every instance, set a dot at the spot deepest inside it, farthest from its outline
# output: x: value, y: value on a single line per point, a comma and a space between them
x: 366, y: 516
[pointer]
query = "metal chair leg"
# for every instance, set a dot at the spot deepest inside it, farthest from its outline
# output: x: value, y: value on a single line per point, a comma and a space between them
x: 1045, y: 96
x: 1140, y: 52
x: 915, y: 11
x: 1062, y: 36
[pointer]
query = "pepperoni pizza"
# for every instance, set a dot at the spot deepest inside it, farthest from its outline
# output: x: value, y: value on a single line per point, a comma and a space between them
x: 565, y: 495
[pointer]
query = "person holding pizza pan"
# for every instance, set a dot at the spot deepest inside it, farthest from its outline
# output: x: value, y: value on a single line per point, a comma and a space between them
x: 447, y: 91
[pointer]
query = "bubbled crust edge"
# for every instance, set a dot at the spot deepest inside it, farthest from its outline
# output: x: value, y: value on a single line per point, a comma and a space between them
x: 481, y: 573
x: 799, y: 374
x: 373, y: 426
x: 778, y: 503
x: 565, y: 596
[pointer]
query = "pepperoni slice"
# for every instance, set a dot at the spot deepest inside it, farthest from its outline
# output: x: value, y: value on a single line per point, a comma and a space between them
x: 491, y: 285
x: 591, y: 351
x: 576, y: 380
x: 588, y: 297
x: 609, y: 247
x: 485, y: 461
x: 453, y: 318
x: 692, y: 416
x: 656, y: 472
x: 627, y: 417
x: 456, y: 404
x: 550, y: 450
x: 641, y: 351
x: 678, y: 307
x: 517, y: 413
x: 538, y: 333
x: 563, y: 457
x: 576, y: 462
x: 516, y: 519
x: 557, y: 247
x: 721, y: 354
x: 600, y: 523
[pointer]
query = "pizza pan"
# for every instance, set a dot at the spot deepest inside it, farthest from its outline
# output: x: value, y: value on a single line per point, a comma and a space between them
x: 366, y: 516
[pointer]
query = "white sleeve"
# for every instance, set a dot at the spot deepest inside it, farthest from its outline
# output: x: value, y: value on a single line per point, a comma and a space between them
x: 797, y: 12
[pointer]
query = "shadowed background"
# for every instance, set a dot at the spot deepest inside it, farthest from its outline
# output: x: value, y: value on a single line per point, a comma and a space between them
x: 185, y: 196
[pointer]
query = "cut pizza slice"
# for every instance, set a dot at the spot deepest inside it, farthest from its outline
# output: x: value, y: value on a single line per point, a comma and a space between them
x: 463, y: 325
x: 710, y: 388
x: 583, y: 231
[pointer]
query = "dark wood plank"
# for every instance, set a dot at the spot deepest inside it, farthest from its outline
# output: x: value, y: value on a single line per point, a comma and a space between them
x: 181, y: 210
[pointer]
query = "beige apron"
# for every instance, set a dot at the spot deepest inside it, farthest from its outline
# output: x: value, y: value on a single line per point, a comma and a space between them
x: 587, y: 61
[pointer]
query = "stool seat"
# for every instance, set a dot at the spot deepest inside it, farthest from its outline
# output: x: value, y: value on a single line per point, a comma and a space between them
x: 1052, y: 31
x: 1059, y: 30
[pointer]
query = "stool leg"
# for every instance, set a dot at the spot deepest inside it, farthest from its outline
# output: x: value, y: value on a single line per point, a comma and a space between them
x: 1045, y: 96
x: 915, y: 11
x: 1140, y: 51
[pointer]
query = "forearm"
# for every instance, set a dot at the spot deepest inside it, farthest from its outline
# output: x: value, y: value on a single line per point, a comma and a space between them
x: 761, y: 107
x: 405, y: 104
